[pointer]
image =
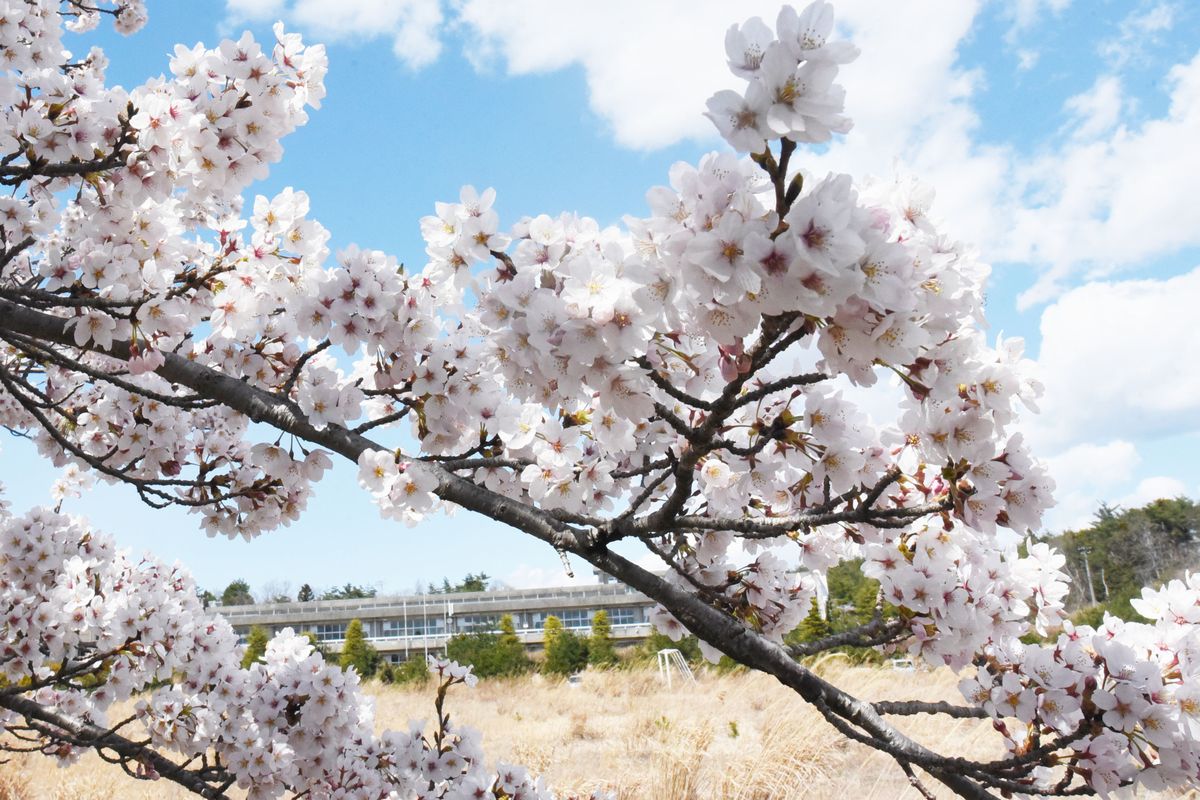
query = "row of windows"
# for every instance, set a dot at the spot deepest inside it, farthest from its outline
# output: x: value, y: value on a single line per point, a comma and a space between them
x: 414, y: 626
x: 574, y: 618
x: 536, y: 620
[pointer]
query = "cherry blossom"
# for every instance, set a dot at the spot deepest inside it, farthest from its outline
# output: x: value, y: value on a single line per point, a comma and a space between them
x: 676, y: 385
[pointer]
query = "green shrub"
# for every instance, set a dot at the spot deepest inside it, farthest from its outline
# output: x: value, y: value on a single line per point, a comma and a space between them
x: 256, y: 646
x: 414, y: 671
x: 357, y: 652
x: 566, y: 653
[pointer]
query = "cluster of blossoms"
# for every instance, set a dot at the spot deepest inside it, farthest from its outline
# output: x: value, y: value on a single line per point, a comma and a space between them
x: 790, y: 74
x: 579, y: 322
x: 239, y: 486
x: 82, y: 626
x: 957, y: 596
x: 185, y: 148
x: 403, y: 491
x: 1124, y: 698
x: 163, y: 167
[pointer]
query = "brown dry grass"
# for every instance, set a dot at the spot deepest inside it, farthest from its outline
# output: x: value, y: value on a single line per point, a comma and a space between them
x: 737, y: 737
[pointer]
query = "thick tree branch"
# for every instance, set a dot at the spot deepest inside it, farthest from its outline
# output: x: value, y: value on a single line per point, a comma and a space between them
x: 771, y: 527
x: 746, y: 647
x: 910, y: 707
x: 876, y: 632
x: 78, y: 733
x: 710, y: 624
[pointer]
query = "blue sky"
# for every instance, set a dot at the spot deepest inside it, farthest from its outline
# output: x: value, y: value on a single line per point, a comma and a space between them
x: 1058, y: 134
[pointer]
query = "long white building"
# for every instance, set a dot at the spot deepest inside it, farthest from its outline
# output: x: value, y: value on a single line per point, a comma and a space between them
x: 419, y: 624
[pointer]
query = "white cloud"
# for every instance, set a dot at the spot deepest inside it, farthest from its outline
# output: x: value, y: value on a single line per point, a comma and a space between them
x: 1027, y: 13
x: 1137, y: 31
x: 1151, y: 489
x: 1086, y: 475
x: 1119, y: 361
x: 1023, y: 15
x: 536, y: 576
x: 254, y: 9
x: 1027, y: 59
x: 413, y: 26
x: 649, y: 80
x: 1104, y: 203
x: 648, y: 75
x: 1096, y: 111
x: 1101, y: 194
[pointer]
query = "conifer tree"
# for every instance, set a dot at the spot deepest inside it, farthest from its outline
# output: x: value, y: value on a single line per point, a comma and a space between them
x: 357, y: 652
x: 512, y: 657
x: 256, y: 646
x: 566, y: 652
x: 601, y: 652
x: 551, y: 629
x: 815, y: 626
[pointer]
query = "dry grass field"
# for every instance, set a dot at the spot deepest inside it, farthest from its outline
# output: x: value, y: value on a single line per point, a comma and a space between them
x: 735, y: 737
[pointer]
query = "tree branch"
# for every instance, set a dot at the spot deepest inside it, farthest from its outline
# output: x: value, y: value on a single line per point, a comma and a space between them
x: 713, y: 626
x: 84, y: 734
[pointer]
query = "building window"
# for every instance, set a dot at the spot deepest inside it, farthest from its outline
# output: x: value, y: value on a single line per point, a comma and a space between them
x: 394, y: 628
x: 621, y: 616
x: 330, y: 632
x: 576, y: 618
x: 476, y: 623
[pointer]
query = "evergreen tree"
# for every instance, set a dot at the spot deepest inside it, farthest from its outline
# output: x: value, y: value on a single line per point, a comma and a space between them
x: 814, y: 626
x: 480, y: 650
x: 508, y: 630
x: 1123, y: 550
x: 348, y: 592
x: 305, y: 594
x: 256, y: 646
x: 566, y: 652
x: 474, y: 583
x: 512, y: 650
x: 551, y: 629
x: 852, y: 596
x: 601, y: 652
x: 357, y: 652
x: 237, y: 593
x: 471, y: 583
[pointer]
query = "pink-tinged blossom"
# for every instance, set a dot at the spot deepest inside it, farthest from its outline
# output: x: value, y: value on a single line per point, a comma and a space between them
x: 143, y: 361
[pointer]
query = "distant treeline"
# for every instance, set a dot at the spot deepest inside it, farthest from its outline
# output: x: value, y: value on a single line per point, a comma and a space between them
x: 238, y: 592
x: 1123, y: 550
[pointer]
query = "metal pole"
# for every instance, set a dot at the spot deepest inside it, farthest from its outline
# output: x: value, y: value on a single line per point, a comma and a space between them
x: 425, y: 622
x: 1083, y: 551
x: 404, y: 630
